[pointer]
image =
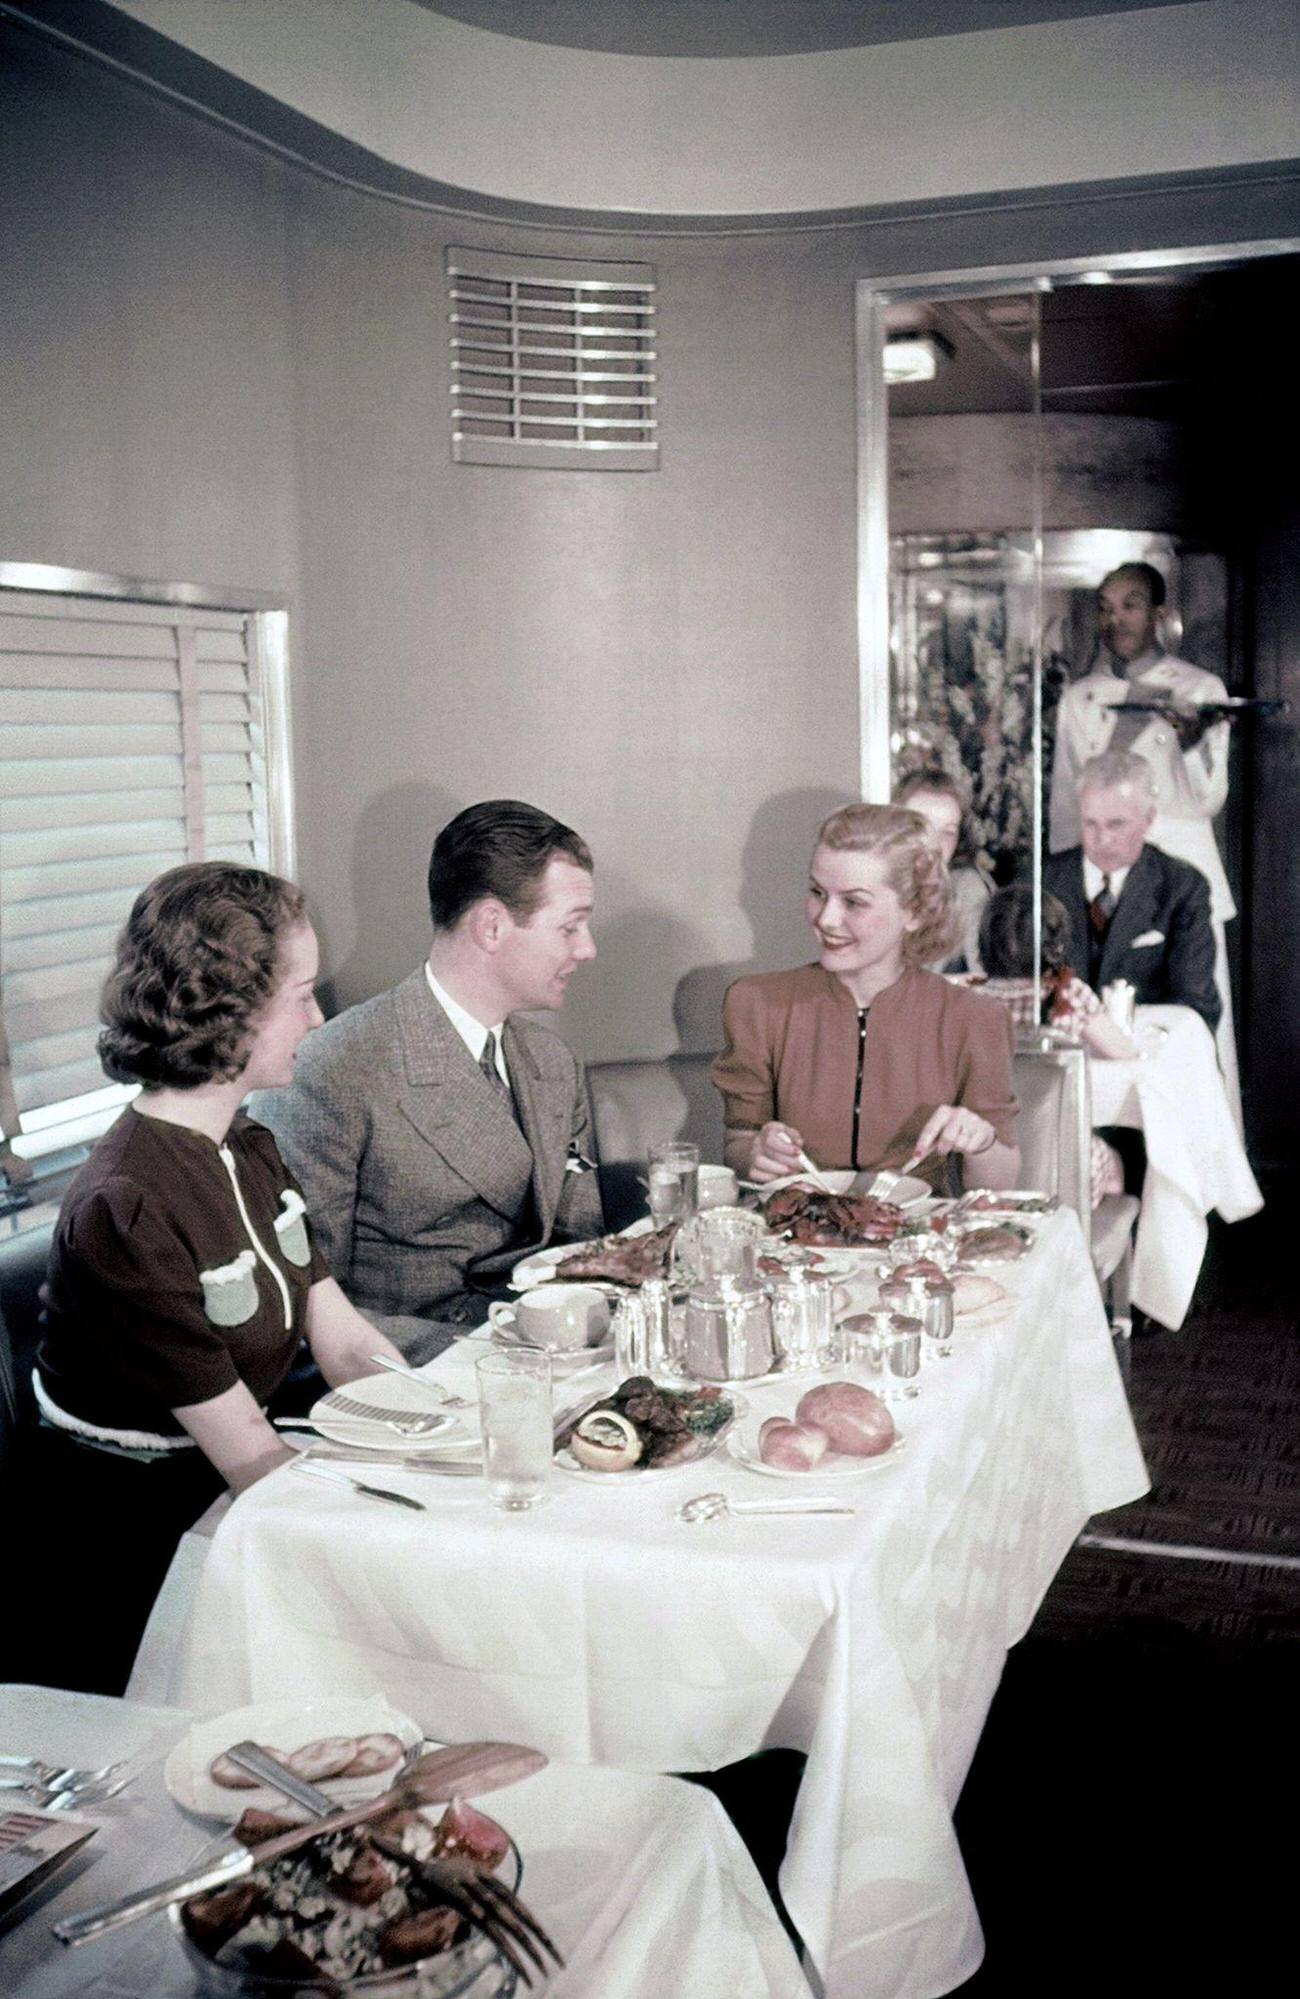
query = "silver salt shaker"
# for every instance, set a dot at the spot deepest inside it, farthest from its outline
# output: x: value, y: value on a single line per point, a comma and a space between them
x: 661, y: 1346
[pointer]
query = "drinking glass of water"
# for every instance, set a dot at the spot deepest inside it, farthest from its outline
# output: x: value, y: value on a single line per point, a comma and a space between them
x: 514, y: 1401
x: 674, y: 1182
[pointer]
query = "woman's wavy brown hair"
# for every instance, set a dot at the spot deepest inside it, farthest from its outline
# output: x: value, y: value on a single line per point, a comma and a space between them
x: 913, y: 869
x: 197, y: 961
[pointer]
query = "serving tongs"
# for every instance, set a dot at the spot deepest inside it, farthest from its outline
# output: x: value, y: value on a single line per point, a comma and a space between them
x: 463, y: 1770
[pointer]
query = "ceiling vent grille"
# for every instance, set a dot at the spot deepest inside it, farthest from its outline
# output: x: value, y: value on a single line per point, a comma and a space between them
x: 552, y: 363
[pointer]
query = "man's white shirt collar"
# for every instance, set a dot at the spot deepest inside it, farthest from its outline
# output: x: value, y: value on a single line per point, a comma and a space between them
x: 472, y: 1032
x: 1092, y: 880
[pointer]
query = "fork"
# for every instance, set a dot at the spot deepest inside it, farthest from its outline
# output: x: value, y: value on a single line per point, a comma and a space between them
x: 407, y: 1423
x: 884, y: 1182
x: 55, y: 1798
x: 420, y: 1381
x: 53, y: 1775
x: 485, y: 1903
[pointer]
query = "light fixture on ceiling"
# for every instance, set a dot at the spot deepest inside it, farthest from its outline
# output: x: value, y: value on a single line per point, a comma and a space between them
x: 1096, y: 277
x: 915, y: 356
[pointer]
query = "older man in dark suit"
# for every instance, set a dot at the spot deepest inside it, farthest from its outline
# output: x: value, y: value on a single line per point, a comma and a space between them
x: 1136, y: 913
x: 438, y: 1136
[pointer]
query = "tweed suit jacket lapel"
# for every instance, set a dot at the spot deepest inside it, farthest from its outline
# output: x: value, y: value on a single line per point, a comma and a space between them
x: 546, y: 1109
x: 452, y: 1106
x: 1136, y: 911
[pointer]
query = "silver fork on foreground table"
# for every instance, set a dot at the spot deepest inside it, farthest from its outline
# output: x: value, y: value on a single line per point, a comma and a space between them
x: 485, y: 1903
x: 55, y: 1775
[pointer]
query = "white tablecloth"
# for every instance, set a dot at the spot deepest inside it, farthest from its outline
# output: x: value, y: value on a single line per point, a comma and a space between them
x: 606, y: 1631
x: 1195, y: 1162
x: 641, y: 1880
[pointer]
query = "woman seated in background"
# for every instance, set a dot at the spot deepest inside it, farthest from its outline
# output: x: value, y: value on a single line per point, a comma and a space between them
x: 1063, y: 1002
x: 865, y: 1059
x: 182, y: 1276
x: 941, y: 802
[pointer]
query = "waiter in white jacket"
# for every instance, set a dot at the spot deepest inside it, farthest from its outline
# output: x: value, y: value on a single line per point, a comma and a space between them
x: 1187, y: 755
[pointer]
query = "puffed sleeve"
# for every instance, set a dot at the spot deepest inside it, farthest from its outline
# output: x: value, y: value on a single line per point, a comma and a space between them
x: 984, y: 1082
x: 744, y: 1071
x: 133, y: 1282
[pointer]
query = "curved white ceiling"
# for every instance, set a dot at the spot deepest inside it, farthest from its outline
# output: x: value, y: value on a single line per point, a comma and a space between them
x: 1166, y: 89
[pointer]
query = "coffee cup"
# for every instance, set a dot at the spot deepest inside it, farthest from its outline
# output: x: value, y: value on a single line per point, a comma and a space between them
x: 718, y: 1188
x: 559, y: 1317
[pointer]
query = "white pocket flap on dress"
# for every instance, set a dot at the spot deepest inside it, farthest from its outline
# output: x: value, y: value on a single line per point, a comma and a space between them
x: 1147, y: 937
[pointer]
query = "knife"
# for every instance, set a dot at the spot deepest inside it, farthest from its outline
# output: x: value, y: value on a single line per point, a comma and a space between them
x: 461, y: 1770
x: 434, y: 1467
x: 357, y: 1485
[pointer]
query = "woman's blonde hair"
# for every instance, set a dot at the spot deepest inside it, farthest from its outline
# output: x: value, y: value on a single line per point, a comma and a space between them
x: 914, y: 869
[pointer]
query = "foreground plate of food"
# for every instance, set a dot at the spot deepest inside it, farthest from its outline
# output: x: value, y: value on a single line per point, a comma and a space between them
x: 643, y: 1427
x: 352, y: 1748
x: 340, y: 1914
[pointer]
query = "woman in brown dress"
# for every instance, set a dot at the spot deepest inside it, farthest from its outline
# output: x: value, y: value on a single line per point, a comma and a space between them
x: 863, y: 1058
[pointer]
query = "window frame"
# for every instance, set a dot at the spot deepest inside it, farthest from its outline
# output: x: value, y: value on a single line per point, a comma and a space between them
x: 268, y: 656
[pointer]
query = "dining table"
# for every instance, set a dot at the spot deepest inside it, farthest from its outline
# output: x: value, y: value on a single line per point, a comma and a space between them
x: 1172, y: 1091
x: 641, y: 1879
x: 608, y: 1631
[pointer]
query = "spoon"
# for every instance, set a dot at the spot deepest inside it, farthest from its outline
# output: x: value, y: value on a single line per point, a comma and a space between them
x: 717, y: 1506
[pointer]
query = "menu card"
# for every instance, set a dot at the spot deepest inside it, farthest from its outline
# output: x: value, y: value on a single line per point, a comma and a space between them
x: 34, y: 1845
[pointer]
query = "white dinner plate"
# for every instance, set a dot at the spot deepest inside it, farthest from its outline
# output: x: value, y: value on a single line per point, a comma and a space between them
x: 742, y: 1442
x: 568, y: 1464
x: 1024, y: 1203
x: 909, y: 1193
x: 563, y: 1359
x: 829, y: 1262
x: 282, y: 1726
x: 389, y: 1391
x: 541, y: 1266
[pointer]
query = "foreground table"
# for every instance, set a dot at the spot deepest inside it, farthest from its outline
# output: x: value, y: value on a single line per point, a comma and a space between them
x: 1196, y: 1164
x: 641, y: 1880
x: 606, y: 1631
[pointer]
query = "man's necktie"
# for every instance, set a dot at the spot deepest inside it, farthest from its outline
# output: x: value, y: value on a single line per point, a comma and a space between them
x: 487, y: 1062
x: 1101, y: 908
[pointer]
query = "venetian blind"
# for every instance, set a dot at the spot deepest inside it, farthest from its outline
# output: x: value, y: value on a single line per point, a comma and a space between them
x: 131, y: 738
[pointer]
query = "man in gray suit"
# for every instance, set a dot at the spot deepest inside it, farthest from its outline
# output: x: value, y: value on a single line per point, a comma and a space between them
x: 439, y: 1137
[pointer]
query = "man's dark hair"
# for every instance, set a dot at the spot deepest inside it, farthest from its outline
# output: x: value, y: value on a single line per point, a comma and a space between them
x: 199, y: 958
x: 1007, y: 933
x: 500, y: 848
x: 1144, y: 573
